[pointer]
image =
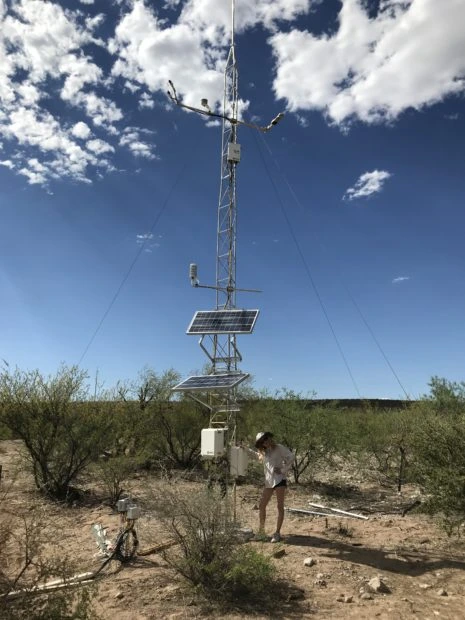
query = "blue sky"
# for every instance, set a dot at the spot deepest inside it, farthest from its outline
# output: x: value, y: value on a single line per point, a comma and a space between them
x: 350, y: 212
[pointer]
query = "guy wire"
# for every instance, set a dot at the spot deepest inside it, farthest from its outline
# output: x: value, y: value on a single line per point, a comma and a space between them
x: 136, y: 258
x: 341, y: 280
x: 308, y: 271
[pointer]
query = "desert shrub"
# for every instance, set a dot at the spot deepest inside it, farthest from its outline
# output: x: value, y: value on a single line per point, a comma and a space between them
x: 209, y: 555
x: 62, y: 431
x: 113, y: 472
x: 70, y: 604
x: 309, y: 430
x: 149, y: 426
x: 250, y: 575
x: 382, y: 442
x: 30, y: 555
x: 178, y: 432
x: 440, y: 466
x: 446, y: 397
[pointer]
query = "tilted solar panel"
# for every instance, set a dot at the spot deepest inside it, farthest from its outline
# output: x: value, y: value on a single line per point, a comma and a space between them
x: 223, y: 322
x: 207, y: 383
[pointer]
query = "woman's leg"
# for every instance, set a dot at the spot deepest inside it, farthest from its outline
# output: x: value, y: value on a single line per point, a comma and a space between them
x: 280, y: 493
x: 265, y: 498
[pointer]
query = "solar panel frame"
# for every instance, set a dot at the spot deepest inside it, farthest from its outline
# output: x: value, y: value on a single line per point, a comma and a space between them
x: 209, y: 383
x: 235, y: 321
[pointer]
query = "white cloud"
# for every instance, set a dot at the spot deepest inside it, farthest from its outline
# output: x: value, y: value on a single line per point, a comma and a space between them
x: 81, y: 130
x: 171, y: 4
x: 412, y: 54
x: 7, y: 163
x: 44, y: 44
x: 146, y: 241
x: 131, y: 139
x: 146, y: 101
x: 192, y: 51
x: 99, y: 146
x: 400, y: 279
x: 369, y: 183
x: 144, y: 237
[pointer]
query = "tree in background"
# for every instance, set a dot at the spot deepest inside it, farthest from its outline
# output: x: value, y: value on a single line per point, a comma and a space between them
x: 440, y: 451
x: 62, y: 430
x: 305, y: 428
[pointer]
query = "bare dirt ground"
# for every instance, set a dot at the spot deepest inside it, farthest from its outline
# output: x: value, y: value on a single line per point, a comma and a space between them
x: 423, y: 569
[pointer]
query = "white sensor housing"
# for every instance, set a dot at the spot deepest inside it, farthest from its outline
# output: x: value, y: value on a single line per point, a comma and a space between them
x: 238, y: 461
x: 212, y: 442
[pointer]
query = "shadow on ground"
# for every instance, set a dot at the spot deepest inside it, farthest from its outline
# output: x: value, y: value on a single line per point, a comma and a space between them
x: 396, y: 561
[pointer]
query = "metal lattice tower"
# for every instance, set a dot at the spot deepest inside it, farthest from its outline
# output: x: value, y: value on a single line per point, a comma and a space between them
x: 225, y: 352
x: 220, y: 346
x: 226, y: 232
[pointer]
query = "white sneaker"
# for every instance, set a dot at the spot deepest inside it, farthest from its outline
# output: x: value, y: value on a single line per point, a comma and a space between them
x: 276, y: 537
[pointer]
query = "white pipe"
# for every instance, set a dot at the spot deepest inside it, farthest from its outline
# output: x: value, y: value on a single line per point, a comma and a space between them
x: 342, y: 512
x: 318, y: 514
x: 55, y: 584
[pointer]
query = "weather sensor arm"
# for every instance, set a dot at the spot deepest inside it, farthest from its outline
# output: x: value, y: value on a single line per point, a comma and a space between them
x: 172, y: 94
x: 196, y: 284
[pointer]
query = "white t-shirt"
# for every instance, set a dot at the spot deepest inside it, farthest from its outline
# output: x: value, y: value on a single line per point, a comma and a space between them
x: 278, y: 457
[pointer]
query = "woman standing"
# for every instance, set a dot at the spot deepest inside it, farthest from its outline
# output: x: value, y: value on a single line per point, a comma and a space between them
x: 277, y: 461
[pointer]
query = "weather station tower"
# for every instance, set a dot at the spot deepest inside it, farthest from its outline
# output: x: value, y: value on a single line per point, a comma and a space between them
x: 219, y: 328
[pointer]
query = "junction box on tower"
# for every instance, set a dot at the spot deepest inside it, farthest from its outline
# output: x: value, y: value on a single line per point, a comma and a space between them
x: 212, y: 442
x: 234, y: 152
x: 238, y: 461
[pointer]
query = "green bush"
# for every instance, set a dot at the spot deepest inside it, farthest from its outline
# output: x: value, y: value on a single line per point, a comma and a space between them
x: 250, y: 577
x: 440, y: 466
x: 61, y: 429
x: 209, y: 555
x: 309, y: 430
x: 113, y: 472
x: 31, y: 555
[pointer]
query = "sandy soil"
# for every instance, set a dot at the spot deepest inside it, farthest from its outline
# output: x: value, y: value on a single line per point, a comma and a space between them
x: 422, y: 568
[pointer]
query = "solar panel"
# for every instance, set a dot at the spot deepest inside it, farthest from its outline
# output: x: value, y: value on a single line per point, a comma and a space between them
x: 223, y: 322
x: 207, y: 383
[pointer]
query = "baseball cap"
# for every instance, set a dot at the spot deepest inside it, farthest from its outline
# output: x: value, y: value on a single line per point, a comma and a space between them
x: 262, y: 436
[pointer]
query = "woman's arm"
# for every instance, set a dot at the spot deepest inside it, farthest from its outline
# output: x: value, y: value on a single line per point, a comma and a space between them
x: 254, y: 454
x: 288, y: 458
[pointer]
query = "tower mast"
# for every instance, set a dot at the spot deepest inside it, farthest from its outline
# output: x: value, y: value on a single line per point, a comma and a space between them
x: 225, y: 350
x: 218, y: 328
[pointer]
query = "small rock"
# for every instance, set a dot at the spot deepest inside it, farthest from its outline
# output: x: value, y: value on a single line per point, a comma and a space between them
x: 309, y: 562
x: 442, y: 592
x: 425, y: 586
x: 348, y: 599
x: 320, y: 582
x: 377, y: 585
x: 320, y: 575
x: 424, y: 541
x: 119, y: 595
x: 366, y: 596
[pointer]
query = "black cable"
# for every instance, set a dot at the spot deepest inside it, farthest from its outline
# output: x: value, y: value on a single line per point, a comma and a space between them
x: 307, y: 269
x: 136, y: 258
x: 351, y: 297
